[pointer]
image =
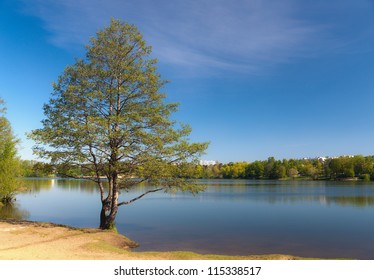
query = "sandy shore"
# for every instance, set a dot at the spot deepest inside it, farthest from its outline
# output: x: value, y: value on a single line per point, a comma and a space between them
x: 28, y: 240
x: 24, y: 240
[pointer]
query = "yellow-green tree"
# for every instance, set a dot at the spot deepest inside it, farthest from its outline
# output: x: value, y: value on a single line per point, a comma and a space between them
x: 107, y: 115
x: 9, y: 162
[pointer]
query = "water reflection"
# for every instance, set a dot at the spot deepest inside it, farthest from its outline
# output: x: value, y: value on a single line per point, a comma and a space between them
x: 77, y: 185
x: 356, y: 194
x: 36, y: 185
x: 360, y: 196
x: 14, y: 212
x: 305, y: 218
x: 359, y: 201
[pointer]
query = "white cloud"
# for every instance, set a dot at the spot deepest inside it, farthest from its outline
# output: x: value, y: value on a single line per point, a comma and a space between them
x: 238, y: 35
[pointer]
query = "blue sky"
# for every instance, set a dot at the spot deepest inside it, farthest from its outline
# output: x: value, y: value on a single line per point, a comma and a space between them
x: 256, y: 78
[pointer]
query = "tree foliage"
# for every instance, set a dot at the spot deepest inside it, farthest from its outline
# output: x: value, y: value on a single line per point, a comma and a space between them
x: 108, y: 117
x: 32, y: 168
x: 344, y: 167
x: 9, y: 162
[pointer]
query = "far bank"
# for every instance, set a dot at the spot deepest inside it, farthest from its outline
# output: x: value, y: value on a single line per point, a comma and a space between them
x: 349, y: 167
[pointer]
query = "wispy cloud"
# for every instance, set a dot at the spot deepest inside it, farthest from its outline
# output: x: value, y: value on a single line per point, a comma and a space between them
x: 238, y: 35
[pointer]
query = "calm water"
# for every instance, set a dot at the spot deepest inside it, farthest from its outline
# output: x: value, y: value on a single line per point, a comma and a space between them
x: 310, y: 219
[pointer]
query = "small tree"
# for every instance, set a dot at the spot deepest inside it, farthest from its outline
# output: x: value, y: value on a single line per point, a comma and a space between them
x: 9, y: 162
x: 293, y: 173
x: 107, y: 116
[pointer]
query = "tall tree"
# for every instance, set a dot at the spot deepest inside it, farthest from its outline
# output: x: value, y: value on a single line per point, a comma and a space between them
x: 108, y: 116
x: 9, y: 161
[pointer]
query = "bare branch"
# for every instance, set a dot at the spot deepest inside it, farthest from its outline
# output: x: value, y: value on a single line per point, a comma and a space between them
x: 140, y: 196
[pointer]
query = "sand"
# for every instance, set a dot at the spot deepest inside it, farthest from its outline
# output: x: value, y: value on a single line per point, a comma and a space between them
x: 44, y: 241
x: 25, y: 240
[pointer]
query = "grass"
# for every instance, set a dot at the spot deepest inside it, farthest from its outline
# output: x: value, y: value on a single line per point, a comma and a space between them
x: 184, y: 255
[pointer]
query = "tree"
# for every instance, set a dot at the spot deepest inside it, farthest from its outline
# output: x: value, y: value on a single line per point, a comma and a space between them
x: 255, y: 170
x: 108, y: 116
x: 293, y: 173
x: 311, y: 171
x: 280, y: 172
x: 335, y: 167
x: 9, y: 161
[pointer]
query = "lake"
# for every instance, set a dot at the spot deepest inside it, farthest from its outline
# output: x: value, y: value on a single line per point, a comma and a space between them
x: 237, y: 217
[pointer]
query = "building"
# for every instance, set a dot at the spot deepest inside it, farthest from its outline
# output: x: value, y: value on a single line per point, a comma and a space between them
x: 208, y: 162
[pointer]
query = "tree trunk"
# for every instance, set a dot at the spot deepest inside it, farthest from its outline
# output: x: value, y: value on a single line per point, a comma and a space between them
x: 106, y: 222
x: 109, y: 207
x: 106, y: 216
x: 103, y: 219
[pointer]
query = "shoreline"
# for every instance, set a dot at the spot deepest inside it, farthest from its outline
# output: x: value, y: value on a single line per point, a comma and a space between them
x: 348, y: 179
x: 28, y: 240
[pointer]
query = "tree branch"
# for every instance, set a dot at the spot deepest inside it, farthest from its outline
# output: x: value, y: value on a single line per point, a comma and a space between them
x: 139, y: 197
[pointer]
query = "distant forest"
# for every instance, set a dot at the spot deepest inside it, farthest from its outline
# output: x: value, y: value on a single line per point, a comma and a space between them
x: 339, y: 168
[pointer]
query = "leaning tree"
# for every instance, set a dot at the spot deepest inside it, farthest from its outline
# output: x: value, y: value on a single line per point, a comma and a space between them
x: 108, y: 117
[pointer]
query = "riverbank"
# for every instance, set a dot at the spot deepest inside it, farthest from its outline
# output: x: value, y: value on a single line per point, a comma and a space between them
x: 25, y: 240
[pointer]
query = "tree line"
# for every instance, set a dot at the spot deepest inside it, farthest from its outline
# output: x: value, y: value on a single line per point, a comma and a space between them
x: 339, y: 168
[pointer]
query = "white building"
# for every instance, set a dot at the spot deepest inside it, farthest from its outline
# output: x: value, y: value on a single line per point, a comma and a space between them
x: 208, y: 162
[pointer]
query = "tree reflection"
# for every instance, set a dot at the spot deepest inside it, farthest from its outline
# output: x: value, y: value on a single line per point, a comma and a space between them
x: 12, y: 211
x: 82, y: 185
x: 36, y: 185
x: 359, y: 201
